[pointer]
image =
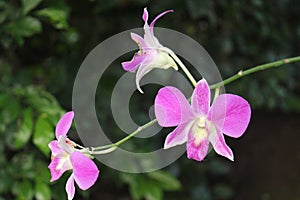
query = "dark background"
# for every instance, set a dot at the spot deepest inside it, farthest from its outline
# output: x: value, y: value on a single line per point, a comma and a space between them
x: 43, y: 43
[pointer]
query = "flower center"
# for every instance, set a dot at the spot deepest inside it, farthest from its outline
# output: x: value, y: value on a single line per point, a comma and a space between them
x: 64, y: 162
x: 199, y: 131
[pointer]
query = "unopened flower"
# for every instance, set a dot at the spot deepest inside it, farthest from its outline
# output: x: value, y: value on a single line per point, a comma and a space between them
x: 198, y: 123
x: 66, y: 157
x: 150, y: 54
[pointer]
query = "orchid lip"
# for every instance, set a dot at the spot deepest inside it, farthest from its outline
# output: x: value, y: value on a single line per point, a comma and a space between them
x: 199, y: 131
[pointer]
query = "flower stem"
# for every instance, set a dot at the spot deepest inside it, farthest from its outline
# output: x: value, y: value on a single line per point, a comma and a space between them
x: 95, y: 150
x: 252, y: 70
x: 111, y: 147
x: 183, y: 67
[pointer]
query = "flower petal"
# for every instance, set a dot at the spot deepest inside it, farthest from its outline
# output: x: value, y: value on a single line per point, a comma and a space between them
x: 217, y: 140
x: 178, y: 136
x: 57, y: 167
x: 201, y: 98
x: 171, y: 107
x: 70, y: 188
x: 157, y: 17
x: 132, y: 65
x: 84, y: 169
x: 145, y: 15
x: 55, y: 149
x: 139, y: 40
x: 64, y: 124
x: 196, y: 151
x: 150, y: 40
x: 231, y: 114
x: 142, y: 71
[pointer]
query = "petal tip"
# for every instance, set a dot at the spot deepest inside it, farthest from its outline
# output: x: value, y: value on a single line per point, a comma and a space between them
x: 145, y: 14
x: 64, y: 124
x: 139, y: 88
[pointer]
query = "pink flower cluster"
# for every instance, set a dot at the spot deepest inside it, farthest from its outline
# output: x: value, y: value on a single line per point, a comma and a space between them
x: 197, y: 123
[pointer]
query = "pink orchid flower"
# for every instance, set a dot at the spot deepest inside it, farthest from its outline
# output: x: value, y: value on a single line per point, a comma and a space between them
x: 66, y: 157
x: 150, y: 54
x: 198, y: 123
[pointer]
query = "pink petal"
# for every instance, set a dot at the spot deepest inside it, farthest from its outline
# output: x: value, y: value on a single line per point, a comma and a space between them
x: 132, y: 65
x: 231, y: 114
x: 84, y: 169
x: 54, y: 170
x: 171, y: 107
x: 139, y: 40
x: 55, y: 149
x: 70, y: 188
x: 178, y: 136
x: 196, y: 152
x: 144, y: 69
x: 157, y: 17
x: 201, y: 98
x: 145, y: 15
x: 149, y: 38
x: 217, y: 140
x: 64, y: 124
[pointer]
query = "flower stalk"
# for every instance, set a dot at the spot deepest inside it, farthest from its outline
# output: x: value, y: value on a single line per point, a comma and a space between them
x: 257, y: 68
x: 183, y: 67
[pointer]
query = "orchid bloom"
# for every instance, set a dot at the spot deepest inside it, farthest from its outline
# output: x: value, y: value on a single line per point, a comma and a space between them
x: 150, y: 54
x: 66, y: 157
x: 198, y: 123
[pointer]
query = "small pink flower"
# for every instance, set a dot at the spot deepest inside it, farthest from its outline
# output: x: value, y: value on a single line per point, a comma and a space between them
x: 198, y: 123
x: 66, y: 157
x: 150, y: 54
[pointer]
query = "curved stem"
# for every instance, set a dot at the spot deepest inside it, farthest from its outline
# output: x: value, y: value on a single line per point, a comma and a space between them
x: 183, y: 67
x: 112, y: 147
x: 252, y: 70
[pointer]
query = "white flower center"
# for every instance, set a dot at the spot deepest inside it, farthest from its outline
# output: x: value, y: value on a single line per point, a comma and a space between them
x: 199, y: 131
x: 64, y: 162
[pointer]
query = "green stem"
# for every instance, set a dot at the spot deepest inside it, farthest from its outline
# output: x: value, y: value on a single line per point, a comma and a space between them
x: 136, y: 132
x: 112, y: 147
x: 252, y: 70
x: 139, y: 129
x: 183, y: 67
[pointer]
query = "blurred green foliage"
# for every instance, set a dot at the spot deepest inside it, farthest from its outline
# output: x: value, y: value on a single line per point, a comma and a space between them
x: 43, y: 43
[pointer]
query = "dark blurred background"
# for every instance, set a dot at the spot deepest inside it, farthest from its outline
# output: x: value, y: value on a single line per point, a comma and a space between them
x: 43, y: 43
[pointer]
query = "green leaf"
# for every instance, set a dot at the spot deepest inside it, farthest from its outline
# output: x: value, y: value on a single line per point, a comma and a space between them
x: 165, y: 180
x: 42, y: 191
x: 9, y: 109
x: 56, y: 17
x: 23, y: 134
x: 23, y: 190
x: 6, y: 180
x: 28, y: 5
x: 42, y: 172
x: 142, y: 187
x: 153, y: 191
x: 146, y: 189
x: 43, y: 134
x: 44, y: 103
x: 24, y: 27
